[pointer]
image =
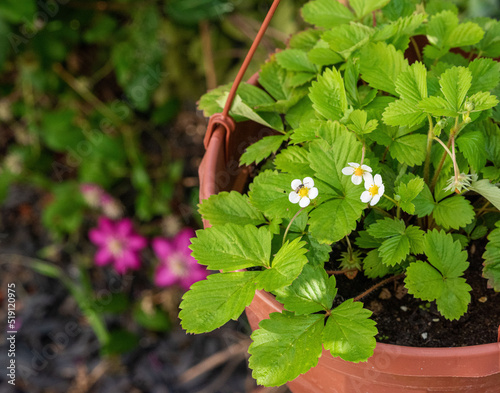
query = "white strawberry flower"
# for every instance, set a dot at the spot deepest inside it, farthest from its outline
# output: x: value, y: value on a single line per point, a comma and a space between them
x: 374, y: 189
x: 303, y: 192
x: 357, y: 172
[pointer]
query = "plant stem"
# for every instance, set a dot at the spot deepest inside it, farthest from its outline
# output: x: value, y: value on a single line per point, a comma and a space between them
x: 381, y: 283
x: 430, y: 136
x: 483, y: 209
x: 453, y: 134
x: 417, y: 49
x: 290, y: 223
x: 208, y: 57
x: 363, y: 151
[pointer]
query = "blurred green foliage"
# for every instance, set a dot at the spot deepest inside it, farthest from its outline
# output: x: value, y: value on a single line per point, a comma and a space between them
x: 89, y: 89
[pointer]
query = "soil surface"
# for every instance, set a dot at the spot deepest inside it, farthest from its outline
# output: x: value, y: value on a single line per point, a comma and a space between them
x: 404, y: 320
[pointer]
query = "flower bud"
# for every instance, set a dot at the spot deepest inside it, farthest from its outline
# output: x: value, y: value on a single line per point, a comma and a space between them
x: 441, y: 123
x: 467, y: 119
x: 469, y: 106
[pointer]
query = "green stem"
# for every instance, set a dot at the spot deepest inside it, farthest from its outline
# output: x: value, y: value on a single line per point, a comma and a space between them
x: 363, y: 151
x: 417, y: 49
x: 453, y: 134
x: 290, y: 223
x: 430, y: 136
x: 398, y: 211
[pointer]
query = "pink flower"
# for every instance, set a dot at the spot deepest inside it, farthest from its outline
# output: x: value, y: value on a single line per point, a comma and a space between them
x: 91, y: 194
x: 177, y: 266
x: 97, y: 198
x: 117, y: 243
x: 110, y: 206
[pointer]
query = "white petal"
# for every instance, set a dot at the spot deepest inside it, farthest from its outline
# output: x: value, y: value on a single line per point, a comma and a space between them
x: 375, y: 200
x: 368, y: 181
x: 348, y: 170
x: 293, y: 197
x: 378, y: 180
x: 304, y: 202
x: 295, y: 184
x: 366, y: 168
x: 366, y: 197
x: 381, y: 190
x: 313, y: 193
x: 308, y: 182
x: 356, y: 179
x: 353, y: 164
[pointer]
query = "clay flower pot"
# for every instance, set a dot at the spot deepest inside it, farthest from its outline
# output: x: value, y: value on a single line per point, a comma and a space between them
x: 392, y: 368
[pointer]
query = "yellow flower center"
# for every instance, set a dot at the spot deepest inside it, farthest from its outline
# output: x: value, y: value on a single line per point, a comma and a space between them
x: 359, y: 171
x: 373, y: 190
x: 303, y: 192
x: 115, y: 247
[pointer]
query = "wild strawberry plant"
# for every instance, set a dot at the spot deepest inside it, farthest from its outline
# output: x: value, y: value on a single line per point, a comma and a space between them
x: 387, y: 146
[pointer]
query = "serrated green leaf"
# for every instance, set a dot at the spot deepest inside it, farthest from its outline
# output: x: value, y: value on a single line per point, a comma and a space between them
x: 482, y: 101
x: 440, y: 279
x: 246, y: 111
x: 387, y: 227
x: 455, y: 212
x: 324, y: 56
x: 295, y: 60
x: 335, y: 219
x: 262, y: 149
x: 328, y: 95
x: 373, y: 267
x: 311, y: 292
x: 272, y: 78
x: 490, y: 191
x: 327, y: 160
x: 230, y: 207
x: 359, y: 123
x: 231, y: 247
x: 464, y: 34
x: 416, y: 237
x: 285, y: 267
x: 490, y: 44
x: 455, y: 82
x: 445, y: 254
x: 409, y: 149
x: 326, y: 130
x: 364, y: 7
x: 380, y: 66
x: 403, y: 113
x: 365, y: 240
x: 317, y: 253
x: 411, y: 84
x: 485, y: 75
x: 408, y: 192
x: 491, y: 256
x: 284, y: 347
x: 326, y: 13
x: 210, y: 303
x: 437, y: 106
x: 349, y: 332
x: 294, y: 161
x: 394, y: 250
x: 346, y: 39
x: 269, y: 193
x: 472, y: 146
x: 304, y: 40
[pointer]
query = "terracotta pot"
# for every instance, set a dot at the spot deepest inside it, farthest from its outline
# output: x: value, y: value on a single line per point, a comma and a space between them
x: 392, y: 368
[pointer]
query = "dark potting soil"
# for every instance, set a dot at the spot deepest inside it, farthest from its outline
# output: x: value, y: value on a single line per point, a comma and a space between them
x: 404, y: 320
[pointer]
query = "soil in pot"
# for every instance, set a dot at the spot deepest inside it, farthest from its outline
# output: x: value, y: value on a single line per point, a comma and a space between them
x: 404, y: 320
